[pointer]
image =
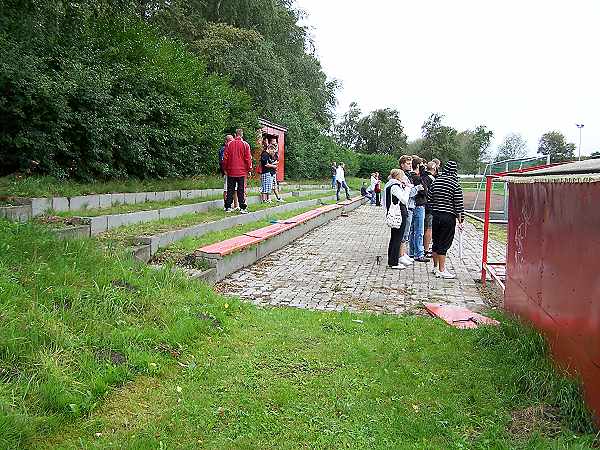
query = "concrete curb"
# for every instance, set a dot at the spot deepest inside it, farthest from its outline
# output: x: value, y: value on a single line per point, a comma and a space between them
x: 41, y: 205
x: 100, y: 224
x: 226, y: 265
x: 162, y: 240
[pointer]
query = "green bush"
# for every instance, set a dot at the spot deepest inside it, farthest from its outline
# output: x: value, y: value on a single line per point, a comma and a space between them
x: 109, y: 98
x: 376, y: 163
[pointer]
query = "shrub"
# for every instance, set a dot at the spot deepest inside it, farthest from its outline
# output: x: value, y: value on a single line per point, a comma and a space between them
x: 109, y: 98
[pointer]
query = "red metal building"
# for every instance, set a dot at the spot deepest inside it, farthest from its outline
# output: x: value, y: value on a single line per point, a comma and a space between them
x: 271, y: 130
x: 552, y: 265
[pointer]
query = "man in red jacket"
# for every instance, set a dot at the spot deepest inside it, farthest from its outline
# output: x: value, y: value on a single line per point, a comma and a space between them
x: 237, y: 163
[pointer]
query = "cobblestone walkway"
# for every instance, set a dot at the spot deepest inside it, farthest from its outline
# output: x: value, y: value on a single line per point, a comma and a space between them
x: 335, y: 268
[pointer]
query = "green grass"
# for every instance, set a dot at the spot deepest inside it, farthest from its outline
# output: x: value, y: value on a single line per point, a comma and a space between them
x: 36, y: 186
x: 127, y: 208
x: 176, y: 251
x: 98, y: 352
x: 497, y: 232
x: 126, y: 233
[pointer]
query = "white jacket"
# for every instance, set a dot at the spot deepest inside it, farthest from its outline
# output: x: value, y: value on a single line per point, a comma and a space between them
x: 339, y: 174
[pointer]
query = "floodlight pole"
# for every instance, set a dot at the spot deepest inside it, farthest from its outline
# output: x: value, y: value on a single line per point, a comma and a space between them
x: 580, y: 126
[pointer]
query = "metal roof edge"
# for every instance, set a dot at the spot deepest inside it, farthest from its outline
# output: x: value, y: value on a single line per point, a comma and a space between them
x: 268, y: 123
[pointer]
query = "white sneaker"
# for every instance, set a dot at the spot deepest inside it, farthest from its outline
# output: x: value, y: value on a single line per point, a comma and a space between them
x: 406, y: 260
x: 243, y: 211
x: 280, y: 200
x: 228, y: 210
x: 237, y: 208
x: 398, y: 267
x: 446, y: 275
x: 435, y: 271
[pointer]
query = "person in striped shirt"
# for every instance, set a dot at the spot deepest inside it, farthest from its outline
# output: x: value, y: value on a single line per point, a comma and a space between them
x: 445, y: 199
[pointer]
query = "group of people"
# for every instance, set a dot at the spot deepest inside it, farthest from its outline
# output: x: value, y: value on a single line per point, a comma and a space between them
x: 236, y: 164
x: 428, y: 201
x: 269, y: 160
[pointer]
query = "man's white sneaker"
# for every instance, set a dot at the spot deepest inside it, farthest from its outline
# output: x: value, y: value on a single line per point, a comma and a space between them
x: 435, y: 271
x: 446, y: 275
x: 228, y: 210
x: 405, y: 260
x: 243, y: 211
x: 398, y: 267
x: 280, y: 200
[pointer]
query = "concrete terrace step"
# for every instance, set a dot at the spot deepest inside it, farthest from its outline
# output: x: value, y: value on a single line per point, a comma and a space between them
x: 233, y: 254
x: 148, y: 245
x: 33, y: 207
x: 100, y: 224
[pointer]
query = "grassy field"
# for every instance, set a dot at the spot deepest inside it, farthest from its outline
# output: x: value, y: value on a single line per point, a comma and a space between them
x: 496, y: 231
x: 125, y: 233
x: 51, y: 187
x: 98, y: 352
x: 179, y: 249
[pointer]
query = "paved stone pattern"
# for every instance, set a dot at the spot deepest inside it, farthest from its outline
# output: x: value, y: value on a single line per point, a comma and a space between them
x: 335, y: 268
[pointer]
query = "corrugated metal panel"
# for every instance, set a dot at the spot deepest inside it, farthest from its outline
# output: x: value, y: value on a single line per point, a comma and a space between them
x: 553, y: 272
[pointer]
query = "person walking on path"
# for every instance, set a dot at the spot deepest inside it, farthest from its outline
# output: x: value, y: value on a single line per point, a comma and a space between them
x: 340, y: 179
x: 417, y: 251
x: 333, y: 172
x: 237, y: 163
x: 446, y: 202
x: 394, y: 193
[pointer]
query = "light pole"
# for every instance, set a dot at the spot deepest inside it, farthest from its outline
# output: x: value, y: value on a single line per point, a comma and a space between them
x: 580, y: 126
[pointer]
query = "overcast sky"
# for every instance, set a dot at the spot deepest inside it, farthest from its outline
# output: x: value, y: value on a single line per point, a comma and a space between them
x: 526, y: 66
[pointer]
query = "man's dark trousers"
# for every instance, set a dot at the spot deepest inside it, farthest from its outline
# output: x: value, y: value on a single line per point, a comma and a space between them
x: 232, y: 182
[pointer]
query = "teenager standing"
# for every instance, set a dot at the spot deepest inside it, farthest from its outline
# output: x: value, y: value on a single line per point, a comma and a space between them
x: 446, y: 202
x: 395, y: 193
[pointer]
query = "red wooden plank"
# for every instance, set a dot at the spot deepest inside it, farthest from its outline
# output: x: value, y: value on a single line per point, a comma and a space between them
x: 458, y: 316
x: 230, y: 245
x: 269, y: 231
x: 327, y: 208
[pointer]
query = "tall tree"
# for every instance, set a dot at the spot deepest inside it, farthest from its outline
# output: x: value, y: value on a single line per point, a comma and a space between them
x: 439, y: 141
x: 513, y: 146
x: 553, y: 143
x: 473, y: 147
x: 381, y: 132
x: 346, y: 131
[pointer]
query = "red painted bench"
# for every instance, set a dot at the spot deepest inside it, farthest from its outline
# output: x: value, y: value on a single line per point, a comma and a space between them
x: 254, y: 237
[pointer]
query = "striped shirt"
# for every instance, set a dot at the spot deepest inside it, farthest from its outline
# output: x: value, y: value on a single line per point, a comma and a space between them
x: 445, y: 195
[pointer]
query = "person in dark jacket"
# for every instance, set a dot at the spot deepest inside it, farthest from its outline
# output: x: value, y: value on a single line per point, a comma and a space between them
x: 428, y: 177
x: 417, y: 251
x: 445, y: 199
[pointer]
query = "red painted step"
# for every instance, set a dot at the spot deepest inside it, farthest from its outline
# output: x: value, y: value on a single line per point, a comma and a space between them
x: 230, y: 245
x: 458, y: 316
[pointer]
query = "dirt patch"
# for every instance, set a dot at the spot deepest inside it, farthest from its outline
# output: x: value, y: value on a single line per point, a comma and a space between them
x: 491, y: 294
x: 543, y: 419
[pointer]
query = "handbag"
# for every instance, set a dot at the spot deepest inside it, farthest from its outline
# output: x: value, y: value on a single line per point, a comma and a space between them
x: 394, y: 216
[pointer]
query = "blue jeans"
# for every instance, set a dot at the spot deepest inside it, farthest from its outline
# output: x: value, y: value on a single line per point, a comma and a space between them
x: 333, y: 182
x: 416, y: 233
x: 406, y: 237
x: 371, y: 196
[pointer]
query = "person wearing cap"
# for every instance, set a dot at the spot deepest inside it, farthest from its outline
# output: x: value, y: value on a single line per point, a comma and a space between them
x: 445, y: 199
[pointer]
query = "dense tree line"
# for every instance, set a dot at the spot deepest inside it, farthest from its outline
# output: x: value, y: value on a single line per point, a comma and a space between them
x: 146, y: 88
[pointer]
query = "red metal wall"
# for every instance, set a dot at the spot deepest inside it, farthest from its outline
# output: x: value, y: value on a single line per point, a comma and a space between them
x: 553, y: 272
